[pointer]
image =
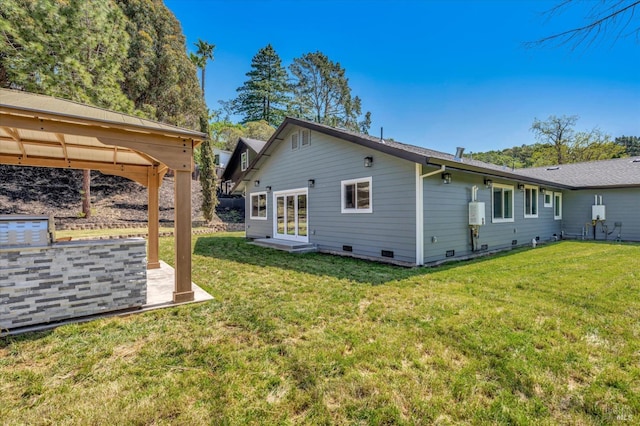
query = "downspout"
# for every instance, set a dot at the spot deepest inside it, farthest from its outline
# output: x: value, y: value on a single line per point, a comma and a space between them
x: 420, y: 210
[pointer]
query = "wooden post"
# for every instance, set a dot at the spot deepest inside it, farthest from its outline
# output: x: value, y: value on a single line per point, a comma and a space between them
x: 182, y: 230
x: 86, y: 193
x: 153, y: 187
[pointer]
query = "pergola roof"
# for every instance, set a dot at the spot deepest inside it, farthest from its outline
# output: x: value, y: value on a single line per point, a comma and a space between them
x: 39, y: 130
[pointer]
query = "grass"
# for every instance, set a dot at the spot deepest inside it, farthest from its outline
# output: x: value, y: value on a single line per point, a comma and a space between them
x: 535, y: 336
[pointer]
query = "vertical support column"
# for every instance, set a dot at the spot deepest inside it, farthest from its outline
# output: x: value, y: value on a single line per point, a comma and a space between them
x: 153, y: 188
x: 182, y: 199
x: 419, y: 216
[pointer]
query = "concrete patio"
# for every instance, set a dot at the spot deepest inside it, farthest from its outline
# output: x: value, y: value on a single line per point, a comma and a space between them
x: 160, y: 287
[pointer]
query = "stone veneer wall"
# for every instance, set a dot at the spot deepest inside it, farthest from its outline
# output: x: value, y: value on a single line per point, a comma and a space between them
x: 70, y: 279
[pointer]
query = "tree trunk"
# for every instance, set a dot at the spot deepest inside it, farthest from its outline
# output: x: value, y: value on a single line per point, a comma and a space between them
x: 86, y: 193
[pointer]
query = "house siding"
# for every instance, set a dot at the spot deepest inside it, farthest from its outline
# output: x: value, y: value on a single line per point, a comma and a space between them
x: 622, y: 205
x: 446, y: 217
x: 327, y: 160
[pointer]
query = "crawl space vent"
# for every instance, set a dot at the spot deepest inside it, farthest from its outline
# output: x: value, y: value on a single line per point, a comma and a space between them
x: 386, y: 253
x: 450, y: 253
x: 347, y: 248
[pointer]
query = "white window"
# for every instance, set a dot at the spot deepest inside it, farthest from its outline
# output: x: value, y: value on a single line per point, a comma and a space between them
x: 356, y: 196
x: 557, y: 205
x: 530, y: 201
x: 548, y: 199
x: 259, y: 205
x: 294, y: 140
x: 502, y: 201
x: 244, y: 160
x: 305, y: 137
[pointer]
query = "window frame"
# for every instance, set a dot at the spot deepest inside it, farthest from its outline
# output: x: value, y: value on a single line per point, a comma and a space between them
x: 550, y: 194
x: 503, y: 187
x: 343, y: 186
x: 244, y: 160
x: 304, y: 132
x: 258, y: 194
x: 295, y: 135
x: 557, y: 196
x: 535, y: 200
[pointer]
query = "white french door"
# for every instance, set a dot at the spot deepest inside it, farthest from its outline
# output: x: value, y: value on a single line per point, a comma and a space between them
x: 290, y: 219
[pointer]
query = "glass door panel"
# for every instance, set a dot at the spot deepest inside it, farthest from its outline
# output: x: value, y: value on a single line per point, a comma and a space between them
x: 291, y: 215
x: 302, y: 215
x: 280, y: 215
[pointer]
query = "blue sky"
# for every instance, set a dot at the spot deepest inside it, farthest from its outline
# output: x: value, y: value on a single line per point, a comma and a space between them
x: 437, y: 74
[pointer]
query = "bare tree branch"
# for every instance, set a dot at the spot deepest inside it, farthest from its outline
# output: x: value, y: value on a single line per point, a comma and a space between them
x: 604, y: 18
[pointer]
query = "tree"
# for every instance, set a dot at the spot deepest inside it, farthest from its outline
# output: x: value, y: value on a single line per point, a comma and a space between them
x: 603, y: 19
x: 322, y: 93
x: 71, y: 50
x: 160, y: 78
x: 207, y: 174
x: 631, y: 144
x: 260, y: 130
x: 556, y: 132
x: 205, y: 53
x: 265, y: 95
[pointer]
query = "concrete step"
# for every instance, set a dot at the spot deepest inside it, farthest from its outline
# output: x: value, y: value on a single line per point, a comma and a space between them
x: 285, y: 245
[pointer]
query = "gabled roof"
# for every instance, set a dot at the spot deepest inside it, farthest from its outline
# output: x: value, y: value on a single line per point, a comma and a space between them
x: 232, y: 167
x: 618, y: 173
x: 418, y: 155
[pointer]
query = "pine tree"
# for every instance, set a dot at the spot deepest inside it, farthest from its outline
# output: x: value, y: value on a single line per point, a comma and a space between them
x: 265, y: 95
x: 159, y: 76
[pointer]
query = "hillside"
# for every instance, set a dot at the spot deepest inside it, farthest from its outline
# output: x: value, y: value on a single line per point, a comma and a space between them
x: 116, y: 201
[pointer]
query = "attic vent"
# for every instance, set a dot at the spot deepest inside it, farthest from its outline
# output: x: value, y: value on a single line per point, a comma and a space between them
x: 553, y: 168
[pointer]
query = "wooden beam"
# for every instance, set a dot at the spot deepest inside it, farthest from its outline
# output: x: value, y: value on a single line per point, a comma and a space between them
x: 175, y: 152
x: 153, y: 209
x: 12, y: 132
x: 182, y: 230
x: 134, y: 172
x: 60, y: 138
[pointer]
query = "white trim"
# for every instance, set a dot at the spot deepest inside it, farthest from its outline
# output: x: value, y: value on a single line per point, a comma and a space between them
x: 244, y: 160
x: 266, y: 206
x: 290, y: 192
x: 534, y: 199
x: 559, y: 195
x: 502, y: 186
x: 355, y: 182
x: 419, y: 216
x: 550, y: 194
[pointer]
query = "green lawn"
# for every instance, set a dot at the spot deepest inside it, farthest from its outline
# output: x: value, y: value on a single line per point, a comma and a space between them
x: 535, y: 336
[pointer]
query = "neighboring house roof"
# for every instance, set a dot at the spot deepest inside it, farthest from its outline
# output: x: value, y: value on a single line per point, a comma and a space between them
x: 232, y: 169
x: 418, y: 155
x: 618, y: 172
x: 254, y: 144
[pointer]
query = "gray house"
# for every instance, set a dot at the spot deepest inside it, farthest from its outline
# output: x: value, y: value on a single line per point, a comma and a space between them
x: 245, y: 152
x: 353, y: 194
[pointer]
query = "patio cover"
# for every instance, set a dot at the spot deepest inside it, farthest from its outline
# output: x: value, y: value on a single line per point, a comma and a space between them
x: 43, y: 131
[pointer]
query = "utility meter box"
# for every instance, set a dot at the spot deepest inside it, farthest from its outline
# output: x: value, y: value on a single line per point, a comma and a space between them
x: 476, y: 213
x: 598, y: 212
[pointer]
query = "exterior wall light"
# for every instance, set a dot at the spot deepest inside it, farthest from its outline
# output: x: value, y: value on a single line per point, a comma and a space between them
x: 368, y: 161
x: 268, y: 189
x: 488, y: 183
x: 521, y: 186
x: 446, y: 177
x: 256, y: 183
x: 311, y: 183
